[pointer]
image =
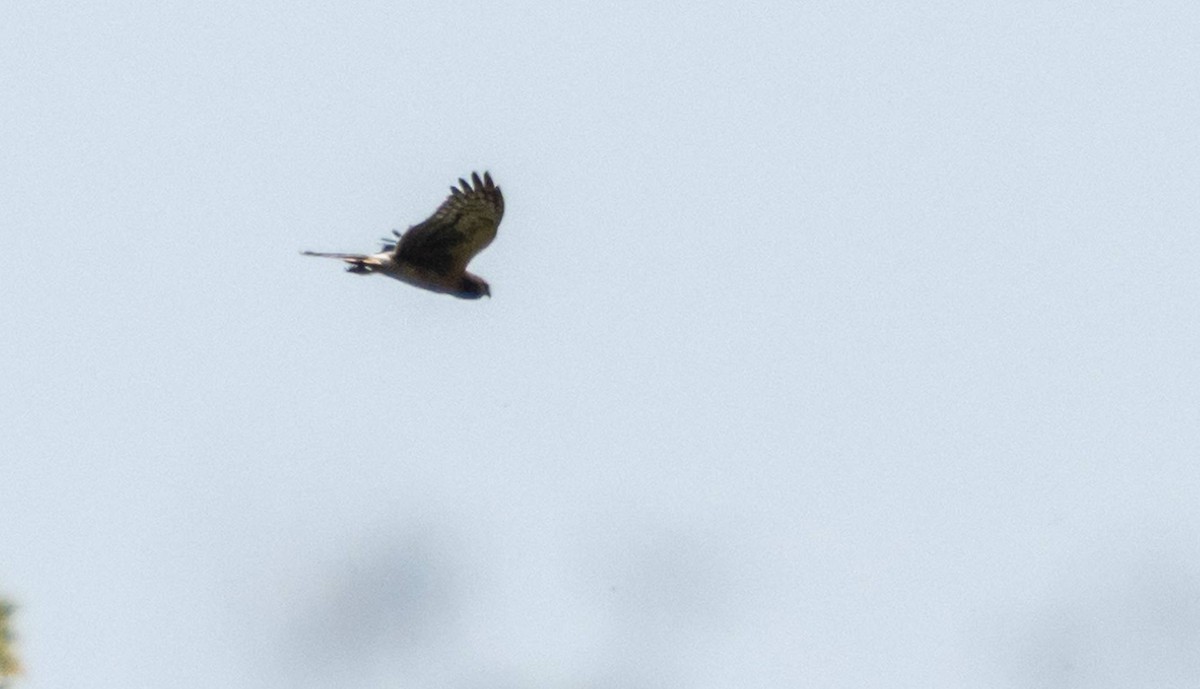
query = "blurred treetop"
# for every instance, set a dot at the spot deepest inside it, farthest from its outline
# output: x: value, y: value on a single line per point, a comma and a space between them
x: 9, y: 667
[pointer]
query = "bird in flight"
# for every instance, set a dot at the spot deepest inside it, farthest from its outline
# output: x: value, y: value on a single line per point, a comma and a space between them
x: 434, y: 254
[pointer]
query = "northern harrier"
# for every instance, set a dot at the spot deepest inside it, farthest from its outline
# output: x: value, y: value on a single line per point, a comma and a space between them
x: 434, y: 255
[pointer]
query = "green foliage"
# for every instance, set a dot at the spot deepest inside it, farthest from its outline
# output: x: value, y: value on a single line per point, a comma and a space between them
x: 9, y: 665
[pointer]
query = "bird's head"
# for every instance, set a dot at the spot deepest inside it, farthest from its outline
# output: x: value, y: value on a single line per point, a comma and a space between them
x: 473, y: 287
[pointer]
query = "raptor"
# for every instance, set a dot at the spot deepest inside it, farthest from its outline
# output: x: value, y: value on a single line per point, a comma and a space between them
x: 434, y: 254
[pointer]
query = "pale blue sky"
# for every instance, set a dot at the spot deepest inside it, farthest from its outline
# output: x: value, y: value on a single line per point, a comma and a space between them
x: 838, y: 344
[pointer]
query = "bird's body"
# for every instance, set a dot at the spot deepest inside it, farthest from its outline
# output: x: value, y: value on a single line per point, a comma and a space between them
x: 434, y: 254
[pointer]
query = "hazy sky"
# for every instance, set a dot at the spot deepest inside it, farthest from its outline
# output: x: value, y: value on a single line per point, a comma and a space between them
x: 831, y: 345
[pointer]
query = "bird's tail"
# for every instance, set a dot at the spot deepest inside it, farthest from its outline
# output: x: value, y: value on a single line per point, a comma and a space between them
x: 359, y: 263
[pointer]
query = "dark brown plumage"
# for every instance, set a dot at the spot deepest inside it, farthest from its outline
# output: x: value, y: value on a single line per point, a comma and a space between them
x: 434, y: 254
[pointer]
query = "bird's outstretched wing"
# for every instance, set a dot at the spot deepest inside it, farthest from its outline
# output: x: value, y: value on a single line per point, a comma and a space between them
x: 461, y: 227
